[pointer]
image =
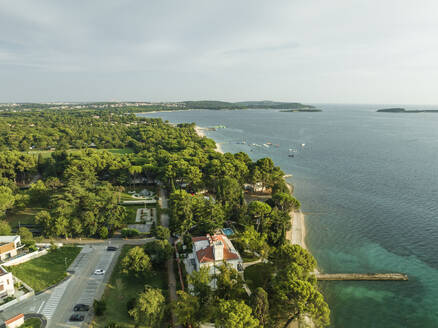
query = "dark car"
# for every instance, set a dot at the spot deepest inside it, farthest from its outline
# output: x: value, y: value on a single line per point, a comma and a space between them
x: 77, y: 317
x: 81, y: 307
x: 111, y: 248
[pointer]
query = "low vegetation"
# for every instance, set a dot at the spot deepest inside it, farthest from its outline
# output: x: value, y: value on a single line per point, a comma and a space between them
x: 31, y: 323
x: 258, y: 275
x: 125, y: 286
x: 47, y: 270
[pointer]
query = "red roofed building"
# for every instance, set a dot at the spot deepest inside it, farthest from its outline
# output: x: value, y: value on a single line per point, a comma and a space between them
x: 16, y: 321
x: 213, y: 251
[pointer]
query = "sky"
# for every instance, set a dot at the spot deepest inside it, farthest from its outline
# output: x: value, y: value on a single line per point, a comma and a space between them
x: 311, y: 51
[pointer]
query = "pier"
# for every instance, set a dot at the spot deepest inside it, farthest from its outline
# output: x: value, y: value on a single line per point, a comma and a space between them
x: 361, y: 276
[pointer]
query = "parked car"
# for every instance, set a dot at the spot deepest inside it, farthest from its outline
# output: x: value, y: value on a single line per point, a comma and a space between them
x: 81, y: 307
x: 111, y: 248
x: 77, y: 317
x: 99, y: 272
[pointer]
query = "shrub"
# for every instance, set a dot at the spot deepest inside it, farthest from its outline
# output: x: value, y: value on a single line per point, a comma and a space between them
x: 129, y: 233
x: 103, y: 232
x: 162, y: 233
x: 131, y: 304
x: 99, y: 307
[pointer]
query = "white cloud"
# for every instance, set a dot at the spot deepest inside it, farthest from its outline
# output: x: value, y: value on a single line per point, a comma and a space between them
x: 315, y: 51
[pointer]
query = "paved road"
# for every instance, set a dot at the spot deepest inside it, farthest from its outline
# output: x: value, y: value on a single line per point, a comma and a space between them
x: 83, y: 286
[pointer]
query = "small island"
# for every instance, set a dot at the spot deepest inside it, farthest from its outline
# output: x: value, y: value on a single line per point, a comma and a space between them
x: 403, y: 110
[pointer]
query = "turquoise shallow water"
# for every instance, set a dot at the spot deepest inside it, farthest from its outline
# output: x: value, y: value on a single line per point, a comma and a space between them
x: 368, y: 183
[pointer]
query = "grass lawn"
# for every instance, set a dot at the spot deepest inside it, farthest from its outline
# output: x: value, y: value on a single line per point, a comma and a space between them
x: 121, y: 288
x: 32, y: 323
x: 249, y: 257
x: 46, y: 270
x: 132, y: 211
x: 24, y: 216
x: 257, y: 275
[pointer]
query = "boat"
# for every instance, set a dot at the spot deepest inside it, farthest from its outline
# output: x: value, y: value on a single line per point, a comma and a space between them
x: 303, y: 144
x: 291, y: 155
x: 266, y: 145
x: 269, y: 143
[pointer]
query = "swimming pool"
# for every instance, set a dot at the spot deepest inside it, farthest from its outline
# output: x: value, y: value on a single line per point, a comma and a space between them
x: 228, y: 231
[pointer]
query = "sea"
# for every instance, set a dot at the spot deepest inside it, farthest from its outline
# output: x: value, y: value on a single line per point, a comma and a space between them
x: 368, y: 184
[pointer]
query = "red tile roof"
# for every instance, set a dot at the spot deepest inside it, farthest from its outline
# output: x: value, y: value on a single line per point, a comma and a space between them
x: 195, y: 239
x: 206, y: 254
x: 17, y: 317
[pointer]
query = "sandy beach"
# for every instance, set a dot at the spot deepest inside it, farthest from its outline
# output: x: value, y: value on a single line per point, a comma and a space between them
x: 297, y: 234
x: 200, y: 131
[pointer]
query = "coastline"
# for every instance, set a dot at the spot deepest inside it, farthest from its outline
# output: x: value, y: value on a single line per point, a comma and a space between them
x: 200, y: 132
x: 297, y: 233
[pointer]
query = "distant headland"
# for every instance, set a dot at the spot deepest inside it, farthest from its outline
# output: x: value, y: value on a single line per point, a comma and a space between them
x: 265, y: 104
x: 403, y: 110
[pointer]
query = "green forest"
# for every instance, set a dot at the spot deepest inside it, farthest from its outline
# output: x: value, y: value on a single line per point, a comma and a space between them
x: 68, y: 168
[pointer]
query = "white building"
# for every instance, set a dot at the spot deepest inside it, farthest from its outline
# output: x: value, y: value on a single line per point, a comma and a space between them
x: 9, y: 246
x: 256, y: 187
x: 211, y: 251
x: 6, y: 283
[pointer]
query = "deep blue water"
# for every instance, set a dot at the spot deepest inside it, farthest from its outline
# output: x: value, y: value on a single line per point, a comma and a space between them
x: 368, y: 183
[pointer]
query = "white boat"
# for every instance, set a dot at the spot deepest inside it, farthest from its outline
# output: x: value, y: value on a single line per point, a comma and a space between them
x: 266, y: 145
x: 303, y: 144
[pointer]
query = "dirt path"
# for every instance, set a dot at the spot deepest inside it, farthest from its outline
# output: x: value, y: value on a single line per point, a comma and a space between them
x: 170, y: 262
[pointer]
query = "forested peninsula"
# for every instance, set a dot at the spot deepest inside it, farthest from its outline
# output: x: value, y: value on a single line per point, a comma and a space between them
x: 66, y: 171
x: 209, y: 104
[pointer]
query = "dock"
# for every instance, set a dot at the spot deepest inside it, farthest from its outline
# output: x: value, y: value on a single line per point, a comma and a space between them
x: 362, y: 276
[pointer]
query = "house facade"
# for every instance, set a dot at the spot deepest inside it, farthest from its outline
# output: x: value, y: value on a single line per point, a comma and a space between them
x: 6, y: 283
x: 212, y: 251
x: 9, y: 246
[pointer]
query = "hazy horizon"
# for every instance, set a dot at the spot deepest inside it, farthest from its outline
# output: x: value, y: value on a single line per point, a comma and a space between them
x: 343, y: 52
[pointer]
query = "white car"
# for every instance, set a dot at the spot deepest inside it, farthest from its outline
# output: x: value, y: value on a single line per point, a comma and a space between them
x: 99, y: 272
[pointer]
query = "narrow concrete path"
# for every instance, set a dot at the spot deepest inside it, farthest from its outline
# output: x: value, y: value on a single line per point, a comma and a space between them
x: 248, y: 264
x: 170, y: 262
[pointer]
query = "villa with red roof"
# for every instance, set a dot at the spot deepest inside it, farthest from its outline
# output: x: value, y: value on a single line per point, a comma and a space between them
x: 212, y: 251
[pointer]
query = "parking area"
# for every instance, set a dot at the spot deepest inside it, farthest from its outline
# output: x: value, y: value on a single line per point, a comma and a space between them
x: 82, y: 287
x: 91, y: 290
x: 85, y: 287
